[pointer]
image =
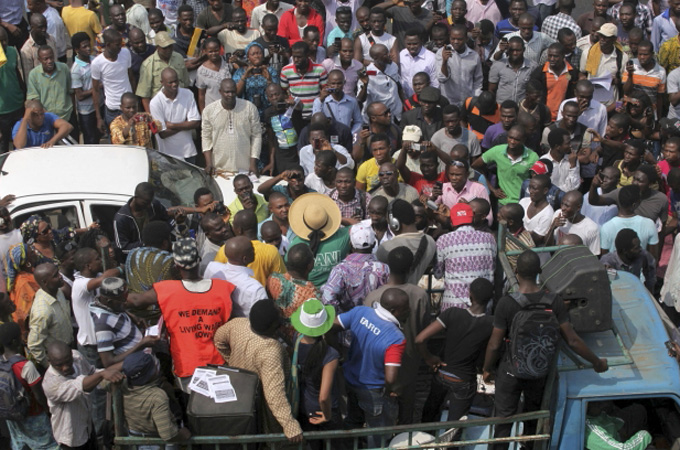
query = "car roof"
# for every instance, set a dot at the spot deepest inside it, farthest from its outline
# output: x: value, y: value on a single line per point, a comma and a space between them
x: 642, y: 331
x: 100, y: 169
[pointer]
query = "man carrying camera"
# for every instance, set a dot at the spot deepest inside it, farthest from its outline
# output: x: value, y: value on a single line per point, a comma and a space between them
x: 459, y: 69
x: 335, y: 104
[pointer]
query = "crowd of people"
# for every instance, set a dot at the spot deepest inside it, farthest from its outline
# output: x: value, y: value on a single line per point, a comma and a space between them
x: 397, y: 136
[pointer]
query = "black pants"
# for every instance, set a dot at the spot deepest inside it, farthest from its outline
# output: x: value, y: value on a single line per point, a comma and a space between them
x: 508, y: 391
x: 88, y: 126
x: 7, y: 122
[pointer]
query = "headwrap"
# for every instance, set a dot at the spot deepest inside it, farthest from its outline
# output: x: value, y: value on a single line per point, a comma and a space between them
x: 249, y: 46
x: 185, y: 253
x: 16, y: 260
x: 29, y: 229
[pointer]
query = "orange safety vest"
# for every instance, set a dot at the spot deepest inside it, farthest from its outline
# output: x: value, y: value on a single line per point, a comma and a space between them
x: 192, y: 318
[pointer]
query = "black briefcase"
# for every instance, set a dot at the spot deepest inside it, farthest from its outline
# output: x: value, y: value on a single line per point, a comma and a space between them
x: 208, y: 418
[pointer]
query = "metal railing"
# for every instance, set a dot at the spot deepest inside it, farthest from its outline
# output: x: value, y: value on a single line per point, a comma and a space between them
x: 443, y: 433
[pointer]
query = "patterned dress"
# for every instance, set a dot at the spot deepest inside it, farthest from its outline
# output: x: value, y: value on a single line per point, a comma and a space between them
x: 288, y: 294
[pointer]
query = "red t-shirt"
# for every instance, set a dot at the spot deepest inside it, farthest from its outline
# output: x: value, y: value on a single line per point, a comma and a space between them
x: 34, y: 408
x: 424, y: 186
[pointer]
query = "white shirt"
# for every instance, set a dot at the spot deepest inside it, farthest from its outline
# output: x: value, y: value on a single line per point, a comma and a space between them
x: 387, y: 236
x: 80, y: 301
x: 424, y: 61
x: 563, y: 175
x: 182, y: 108
x: 540, y: 223
x: 248, y: 289
x: 261, y: 10
x: 386, y: 39
x: 594, y: 117
x: 57, y: 29
x: 307, y: 158
x: 113, y: 76
x: 586, y: 229
x: 606, y: 66
x: 598, y: 214
x: 382, y: 87
x: 313, y: 181
x: 208, y: 250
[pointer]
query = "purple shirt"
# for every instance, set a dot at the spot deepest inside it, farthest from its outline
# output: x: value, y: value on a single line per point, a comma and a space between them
x: 351, y: 73
x: 352, y: 279
x: 491, y: 134
x: 463, y: 256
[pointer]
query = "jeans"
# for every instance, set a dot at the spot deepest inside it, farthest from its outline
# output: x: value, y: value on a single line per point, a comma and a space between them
x: 110, y: 114
x: 374, y: 407
x: 459, y: 397
x: 508, y: 391
x: 7, y: 122
x: 152, y: 447
x: 97, y: 396
x: 88, y: 126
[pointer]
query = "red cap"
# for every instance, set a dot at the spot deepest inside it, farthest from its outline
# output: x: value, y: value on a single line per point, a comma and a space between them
x: 539, y: 168
x: 461, y: 214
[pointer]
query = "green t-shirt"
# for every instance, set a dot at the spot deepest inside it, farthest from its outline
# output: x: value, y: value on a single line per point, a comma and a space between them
x: 331, y: 252
x: 12, y: 97
x: 511, y: 174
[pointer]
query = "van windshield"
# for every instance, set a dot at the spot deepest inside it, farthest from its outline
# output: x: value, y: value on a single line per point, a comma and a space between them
x: 176, y: 181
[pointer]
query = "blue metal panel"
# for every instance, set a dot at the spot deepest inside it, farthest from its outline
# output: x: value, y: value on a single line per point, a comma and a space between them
x: 643, y: 334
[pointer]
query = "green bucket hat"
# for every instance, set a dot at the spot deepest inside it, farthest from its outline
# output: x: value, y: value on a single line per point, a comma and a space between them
x: 312, y: 318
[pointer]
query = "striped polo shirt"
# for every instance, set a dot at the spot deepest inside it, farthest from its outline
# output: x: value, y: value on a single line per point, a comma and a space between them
x: 306, y: 86
x: 652, y: 82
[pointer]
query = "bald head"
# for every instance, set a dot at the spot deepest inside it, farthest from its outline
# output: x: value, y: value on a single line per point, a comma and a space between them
x: 245, y: 222
x: 377, y: 51
x: 38, y: 20
x: 135, y: 33
x: 319, y: 118
x: 116, y: 9
x: 396, y: 302
x: 169, y: 74
x: 57, y: 350
x: 227, y: 83
x: 43, y: 272
x: 239, y: 251
x: 574, y: 197
x: 570, y: 239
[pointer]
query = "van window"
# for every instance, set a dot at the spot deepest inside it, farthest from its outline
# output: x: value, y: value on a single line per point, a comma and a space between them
x: 635, y: 421
x: 59, y: 217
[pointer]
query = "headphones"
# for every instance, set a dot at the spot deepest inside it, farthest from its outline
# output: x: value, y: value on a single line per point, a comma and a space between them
x: 392, y: 221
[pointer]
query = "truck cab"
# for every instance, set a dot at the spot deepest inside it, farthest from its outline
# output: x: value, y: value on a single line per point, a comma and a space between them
x: 640, y: 372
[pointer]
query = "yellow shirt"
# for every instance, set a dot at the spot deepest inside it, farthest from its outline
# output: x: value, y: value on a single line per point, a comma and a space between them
x: 81, y: 19
x: 261, y: 210
x: 267, y: 261
x: 368, y: 174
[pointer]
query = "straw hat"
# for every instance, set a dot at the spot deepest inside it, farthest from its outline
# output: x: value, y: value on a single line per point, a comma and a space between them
x: 314, y: 212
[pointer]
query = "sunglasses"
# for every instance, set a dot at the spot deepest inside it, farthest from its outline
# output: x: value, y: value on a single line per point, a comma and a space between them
x: 458, y: 163
x: 46, y: 230
x: 388, y: 112
x: 386, y: 174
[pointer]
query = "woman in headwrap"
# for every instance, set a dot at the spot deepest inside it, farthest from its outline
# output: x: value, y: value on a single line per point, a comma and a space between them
x: 251, y: 82
x: 42, y: 239
x: 21, y: 284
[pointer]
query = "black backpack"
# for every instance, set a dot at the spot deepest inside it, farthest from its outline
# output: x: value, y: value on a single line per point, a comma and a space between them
x: 534, y: 336
x: 13, y: 399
